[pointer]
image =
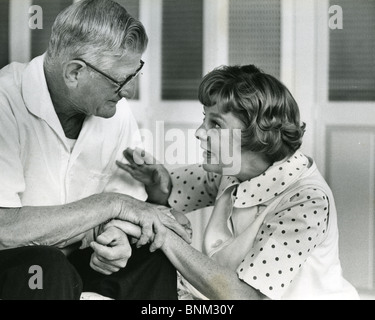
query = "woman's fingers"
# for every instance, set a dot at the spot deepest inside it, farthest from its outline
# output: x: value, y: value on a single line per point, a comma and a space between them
x: 125, y: 167
x: 129, y: 155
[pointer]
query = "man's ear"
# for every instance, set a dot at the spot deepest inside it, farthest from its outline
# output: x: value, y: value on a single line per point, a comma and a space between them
x: 72, y: 72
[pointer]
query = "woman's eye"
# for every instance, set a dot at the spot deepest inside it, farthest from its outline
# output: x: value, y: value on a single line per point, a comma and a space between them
x: 216, y: 125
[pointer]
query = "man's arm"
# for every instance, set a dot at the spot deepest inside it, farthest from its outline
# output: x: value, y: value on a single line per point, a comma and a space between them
x: 55, y: 225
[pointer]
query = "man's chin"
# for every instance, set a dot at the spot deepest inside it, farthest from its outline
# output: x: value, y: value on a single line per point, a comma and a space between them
x: 108, y: 111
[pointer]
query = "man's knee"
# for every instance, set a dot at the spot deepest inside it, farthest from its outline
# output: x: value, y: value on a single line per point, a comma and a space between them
x: 44, y: 255
x: 42, y: 273
x: 49, y: 259
x: 55, y: 266
x: 154, y: 261
x: 158, y: 258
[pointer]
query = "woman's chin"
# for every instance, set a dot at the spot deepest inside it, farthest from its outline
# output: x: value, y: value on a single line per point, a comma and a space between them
x: 212, y: 168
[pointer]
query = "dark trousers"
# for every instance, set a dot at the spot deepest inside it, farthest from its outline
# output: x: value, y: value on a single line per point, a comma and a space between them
x: 148, y: 276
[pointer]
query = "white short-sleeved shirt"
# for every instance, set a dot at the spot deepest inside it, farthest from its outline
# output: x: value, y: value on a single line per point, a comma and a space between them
x: 278, y: 231
x: 39, y: 165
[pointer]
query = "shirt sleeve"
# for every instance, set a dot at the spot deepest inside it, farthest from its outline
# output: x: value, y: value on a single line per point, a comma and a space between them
x: 121, y: 181
x: 193, y: 188
x: 284, y: 243
x: 12, y: 182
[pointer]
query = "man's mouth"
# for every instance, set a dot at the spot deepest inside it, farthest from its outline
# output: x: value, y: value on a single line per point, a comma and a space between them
x: 114, y: 101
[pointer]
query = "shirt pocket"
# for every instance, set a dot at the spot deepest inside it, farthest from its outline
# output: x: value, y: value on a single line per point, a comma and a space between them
x: 95, y: 183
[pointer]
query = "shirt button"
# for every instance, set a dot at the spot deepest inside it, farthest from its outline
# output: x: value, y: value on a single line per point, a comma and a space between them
x: 217, y: 243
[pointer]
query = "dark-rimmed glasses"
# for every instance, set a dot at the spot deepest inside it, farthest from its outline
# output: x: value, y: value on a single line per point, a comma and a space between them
x: 120, y: 85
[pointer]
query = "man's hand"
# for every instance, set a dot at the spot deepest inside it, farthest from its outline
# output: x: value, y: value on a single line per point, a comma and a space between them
x: 152, y: 219
x: 111, y: 251
x: 170, y: 219
x: 143, y: 167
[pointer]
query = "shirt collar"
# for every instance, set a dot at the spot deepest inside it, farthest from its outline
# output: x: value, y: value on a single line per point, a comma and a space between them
x: 36, y: 94
x: 276, y: 179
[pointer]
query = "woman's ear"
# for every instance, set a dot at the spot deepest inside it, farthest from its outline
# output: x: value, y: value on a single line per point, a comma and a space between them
x: 72, y: 72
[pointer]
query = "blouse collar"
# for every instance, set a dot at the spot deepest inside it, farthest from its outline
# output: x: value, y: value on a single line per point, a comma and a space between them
x: 276, y: 179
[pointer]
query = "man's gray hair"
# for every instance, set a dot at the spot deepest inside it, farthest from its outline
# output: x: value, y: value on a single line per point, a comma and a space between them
x: 94, y: 30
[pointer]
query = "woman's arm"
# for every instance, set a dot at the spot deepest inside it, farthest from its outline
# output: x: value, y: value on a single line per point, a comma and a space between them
x: 185, y: 188
x: 206, y: 275
x: 193, y: 188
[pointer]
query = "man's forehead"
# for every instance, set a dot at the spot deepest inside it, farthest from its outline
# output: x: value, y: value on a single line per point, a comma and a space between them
x: 128, y: 61
x: 125, y: 65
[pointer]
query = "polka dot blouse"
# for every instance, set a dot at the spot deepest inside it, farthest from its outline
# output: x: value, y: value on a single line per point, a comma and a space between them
x: 266, y: 229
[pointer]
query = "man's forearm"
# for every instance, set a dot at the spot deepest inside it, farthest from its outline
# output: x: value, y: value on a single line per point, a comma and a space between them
x: 54, y: 225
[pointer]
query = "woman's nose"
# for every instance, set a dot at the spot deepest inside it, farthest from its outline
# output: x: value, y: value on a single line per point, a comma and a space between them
x: 201, y: 133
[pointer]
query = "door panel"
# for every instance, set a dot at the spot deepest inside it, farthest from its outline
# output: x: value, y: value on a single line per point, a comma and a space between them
x: 345, y: 135
x: 350, y: 173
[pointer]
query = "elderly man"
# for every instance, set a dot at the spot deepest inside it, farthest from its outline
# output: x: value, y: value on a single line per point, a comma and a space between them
x: 63, y: 125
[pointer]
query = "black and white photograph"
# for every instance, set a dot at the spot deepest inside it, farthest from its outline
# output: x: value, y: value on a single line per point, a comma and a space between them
x: 187, y: 154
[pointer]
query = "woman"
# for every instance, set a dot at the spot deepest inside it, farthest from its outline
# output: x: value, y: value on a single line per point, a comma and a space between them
x: 273, y: 231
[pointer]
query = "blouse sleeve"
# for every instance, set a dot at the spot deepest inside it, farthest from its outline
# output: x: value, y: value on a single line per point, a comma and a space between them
x: 193, y: 188
x: 284, y: 242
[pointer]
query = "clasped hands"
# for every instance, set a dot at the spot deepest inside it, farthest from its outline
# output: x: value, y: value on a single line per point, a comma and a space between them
x: 113, y: 247
x: 147, y: 223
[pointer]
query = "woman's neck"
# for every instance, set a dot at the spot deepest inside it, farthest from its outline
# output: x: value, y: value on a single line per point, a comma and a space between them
x: 252, y: 165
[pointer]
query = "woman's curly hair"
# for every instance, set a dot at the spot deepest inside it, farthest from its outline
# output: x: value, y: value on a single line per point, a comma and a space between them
x: 266, y: 107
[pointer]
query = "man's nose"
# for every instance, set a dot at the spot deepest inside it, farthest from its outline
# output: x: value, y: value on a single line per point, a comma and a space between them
x: 128, y: 90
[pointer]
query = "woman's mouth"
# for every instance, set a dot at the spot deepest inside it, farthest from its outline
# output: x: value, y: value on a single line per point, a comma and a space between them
x: 207, y: 154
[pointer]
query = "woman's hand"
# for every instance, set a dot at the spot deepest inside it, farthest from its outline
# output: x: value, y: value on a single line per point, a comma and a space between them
x: 183, y: 220
x: 143, y: 167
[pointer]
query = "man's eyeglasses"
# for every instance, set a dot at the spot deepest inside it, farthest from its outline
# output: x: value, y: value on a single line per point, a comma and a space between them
x: 120, y: 85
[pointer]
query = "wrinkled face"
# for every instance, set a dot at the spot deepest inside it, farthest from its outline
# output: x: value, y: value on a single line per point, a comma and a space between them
x: 97, y: 95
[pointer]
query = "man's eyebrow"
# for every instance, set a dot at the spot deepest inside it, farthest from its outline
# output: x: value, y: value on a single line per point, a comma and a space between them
x: 123, y: 77
x: 133, y: 73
